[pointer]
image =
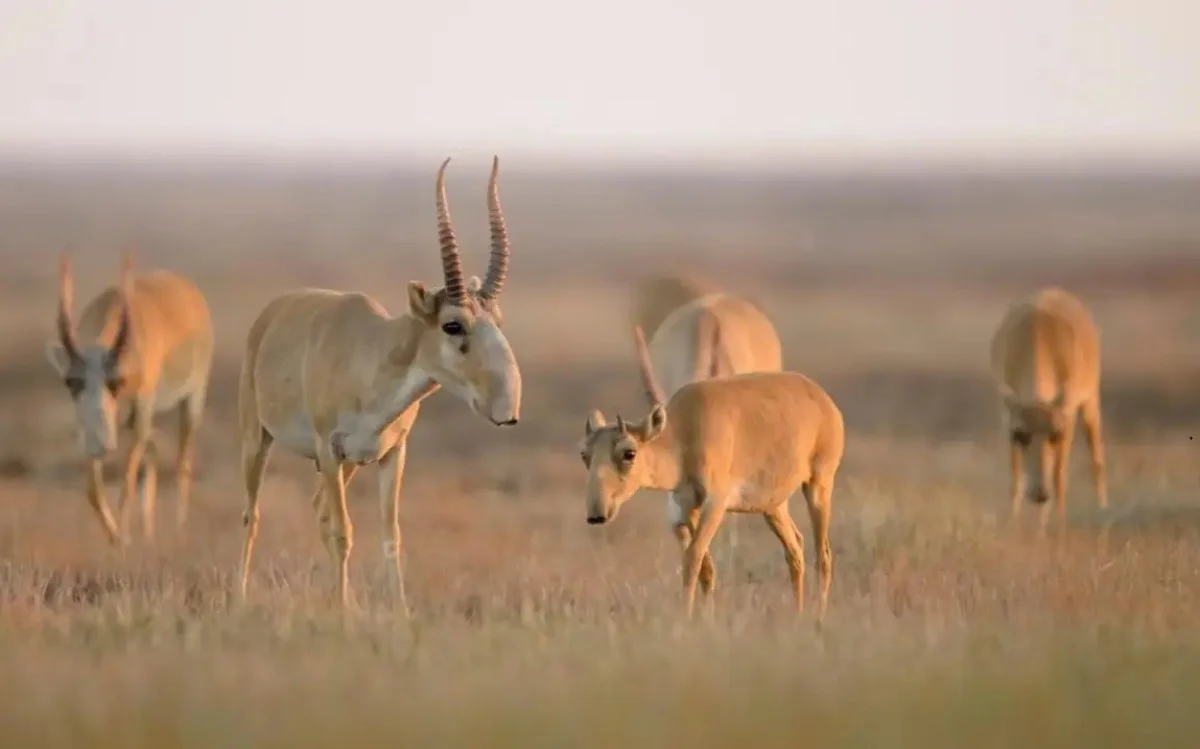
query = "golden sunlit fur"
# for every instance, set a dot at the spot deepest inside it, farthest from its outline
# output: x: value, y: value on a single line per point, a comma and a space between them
x: 681, y: 346
x: 331, y: 376
x: 741, y: 444
x: 144, y: 347
x: 1045, y: 358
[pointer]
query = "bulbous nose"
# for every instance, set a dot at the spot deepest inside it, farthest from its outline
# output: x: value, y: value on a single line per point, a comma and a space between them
x: 597, y: 520
x: 1038, y: 496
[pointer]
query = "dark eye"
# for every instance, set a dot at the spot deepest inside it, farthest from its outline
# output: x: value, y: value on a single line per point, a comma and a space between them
x: 1054, y: 437
x: 629, y: 455
x: 1020, y: 437
x: 114, y: 384
x: 454, y: 327
x: 74, y: 385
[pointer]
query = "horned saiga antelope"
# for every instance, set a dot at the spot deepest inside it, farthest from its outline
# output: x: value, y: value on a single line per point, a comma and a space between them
x: 742, y: 444
x: 658, y: 295
x: 144, y: 346
x: 1045, y: 358
x: 331, y: 376
x: 680, y: 342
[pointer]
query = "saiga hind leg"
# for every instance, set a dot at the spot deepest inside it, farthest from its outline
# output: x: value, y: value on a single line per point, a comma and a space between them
x: 781, y: 523
x: 819, y: 495
x: 190, y: 413
x: 1093, y: 431
x: 332, y: 473
x: 255, y: 451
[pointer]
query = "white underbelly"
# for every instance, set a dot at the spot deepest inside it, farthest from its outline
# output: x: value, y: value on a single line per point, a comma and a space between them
x: 746, y: 497
x: 360, y: 441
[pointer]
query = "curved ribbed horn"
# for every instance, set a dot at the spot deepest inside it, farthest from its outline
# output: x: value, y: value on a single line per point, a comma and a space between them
x: 621, y: 426
x: 456, y: 290
x: 66, y: 300
x: 498, y: 263
x: 124, y: 326
x: 649, y: 381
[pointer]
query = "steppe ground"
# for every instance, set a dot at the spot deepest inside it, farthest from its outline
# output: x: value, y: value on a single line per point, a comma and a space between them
x: 947, y: 626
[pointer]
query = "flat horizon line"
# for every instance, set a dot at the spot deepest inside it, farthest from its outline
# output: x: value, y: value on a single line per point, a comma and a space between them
x: 153, y: 155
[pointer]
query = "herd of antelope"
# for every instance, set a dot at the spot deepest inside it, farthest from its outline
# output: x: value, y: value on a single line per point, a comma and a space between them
x: 333, y: 377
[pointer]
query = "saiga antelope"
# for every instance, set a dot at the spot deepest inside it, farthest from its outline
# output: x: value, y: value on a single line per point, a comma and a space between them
x: 681, y: 338
x: 658, y: 295
x: 147, y: 344
x: 680, y: 344
x: 742, y: 444
x: 331, y: 376
x: 1045, y: 358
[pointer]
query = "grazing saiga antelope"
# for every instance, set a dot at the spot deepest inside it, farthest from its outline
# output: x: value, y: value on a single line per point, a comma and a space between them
x: 681, y: 345
x: 681, y: 338
x: 658, y: 295
x: 1045, y: 358
x: 147, y: 344
x: 743, y: 444
x: 331, y: 376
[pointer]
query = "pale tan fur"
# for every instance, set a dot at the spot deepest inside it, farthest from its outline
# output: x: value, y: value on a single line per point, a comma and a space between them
x: 161, y: 361
x: 331, y: 376
x: 658, y: 295
x: 741, y: 444
x: 1045, y: 358
x: 681, y: 350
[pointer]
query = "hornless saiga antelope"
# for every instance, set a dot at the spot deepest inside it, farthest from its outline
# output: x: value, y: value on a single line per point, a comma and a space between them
x: 741, y: 444
x: 1045, y: 359
x: 331, y: 376
x: 146, y: 345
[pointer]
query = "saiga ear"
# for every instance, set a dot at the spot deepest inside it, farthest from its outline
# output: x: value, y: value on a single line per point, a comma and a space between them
x: 57, y: 356
x: 654, y: 423
x: 422, y: 303
x: 595, y: 422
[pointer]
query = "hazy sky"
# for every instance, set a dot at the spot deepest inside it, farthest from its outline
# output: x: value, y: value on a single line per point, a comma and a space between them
x: 732, y: 77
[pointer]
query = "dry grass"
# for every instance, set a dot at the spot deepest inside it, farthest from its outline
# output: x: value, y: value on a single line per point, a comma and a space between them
x: 947, y: 627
